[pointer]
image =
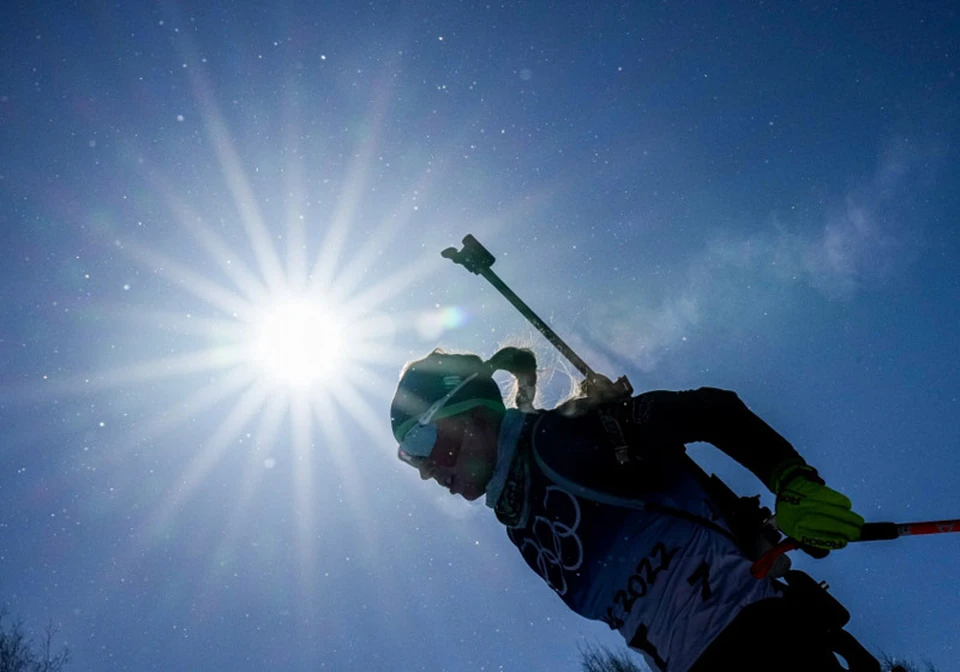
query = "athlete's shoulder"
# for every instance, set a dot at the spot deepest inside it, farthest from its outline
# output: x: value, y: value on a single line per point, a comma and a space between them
x: 579, y: 451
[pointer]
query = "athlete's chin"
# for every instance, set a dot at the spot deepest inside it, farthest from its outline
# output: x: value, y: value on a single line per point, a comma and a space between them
x: 471, y: 494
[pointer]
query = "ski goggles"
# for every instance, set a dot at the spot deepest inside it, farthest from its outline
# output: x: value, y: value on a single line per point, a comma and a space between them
x: 420, y: 442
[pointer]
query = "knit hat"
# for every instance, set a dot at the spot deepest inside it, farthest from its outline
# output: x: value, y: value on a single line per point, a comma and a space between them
x: 428, y: 380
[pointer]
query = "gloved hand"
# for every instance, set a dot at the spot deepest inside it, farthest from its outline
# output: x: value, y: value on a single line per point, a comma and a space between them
x: 812, y: 513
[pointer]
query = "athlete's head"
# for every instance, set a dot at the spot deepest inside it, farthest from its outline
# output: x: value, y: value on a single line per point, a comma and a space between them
x: 446, y: 416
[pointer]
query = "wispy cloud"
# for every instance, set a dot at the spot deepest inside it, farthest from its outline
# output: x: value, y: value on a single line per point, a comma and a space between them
x: 858, y: 242
x: 862, y: 239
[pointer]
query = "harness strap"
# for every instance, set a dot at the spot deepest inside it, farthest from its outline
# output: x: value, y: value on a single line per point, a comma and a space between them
x: 747, y: 519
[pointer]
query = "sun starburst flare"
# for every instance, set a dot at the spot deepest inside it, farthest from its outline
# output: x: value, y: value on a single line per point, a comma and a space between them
x: 283, y: 343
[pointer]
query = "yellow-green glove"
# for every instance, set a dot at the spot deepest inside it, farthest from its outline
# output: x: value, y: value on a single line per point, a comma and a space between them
x: 812, y: 513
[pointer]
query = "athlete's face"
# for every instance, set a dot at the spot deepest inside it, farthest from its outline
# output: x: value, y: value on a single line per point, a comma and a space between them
x: 472, y: 437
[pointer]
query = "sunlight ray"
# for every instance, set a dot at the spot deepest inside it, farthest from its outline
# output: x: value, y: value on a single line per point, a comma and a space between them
x: 371, y: 338
x: 295, y: 208
x: 380, y: 354
x: 368, y: 420
x: 196, y: 403
x: 256, y: 467
x: 366, y: 324
x: 186, y: 325
x: 398, y: 221
x: 296, y: 252
x: 304, y: 495
x: 338, y: 446
x: 376, y: 384
x: 367, y: 334
x: 390, y: 226
x: 355, y: 185
x: 397, y: 282
x: 219, y: 357
x: 219, y: 251
x: 229, y: 262
x: 358, y: 268
x: 210, y: 454
x: 226, y: 300
x: 336, y: 230
x: 237, y: 182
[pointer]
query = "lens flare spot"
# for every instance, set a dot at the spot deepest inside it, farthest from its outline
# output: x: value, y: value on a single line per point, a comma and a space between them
x: 432, y: 324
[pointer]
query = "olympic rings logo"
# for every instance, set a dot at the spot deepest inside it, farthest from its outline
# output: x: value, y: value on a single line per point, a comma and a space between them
x: 556, y: 543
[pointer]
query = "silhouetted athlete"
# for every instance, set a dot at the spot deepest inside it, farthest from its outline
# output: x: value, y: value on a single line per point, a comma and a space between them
x: 641, y: 545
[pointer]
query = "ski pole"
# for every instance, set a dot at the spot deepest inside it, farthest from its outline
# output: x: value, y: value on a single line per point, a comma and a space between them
x: 869, y: 532
x: 478, y: 260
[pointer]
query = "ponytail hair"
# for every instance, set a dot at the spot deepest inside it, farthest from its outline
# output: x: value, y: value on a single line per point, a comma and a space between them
x: 522, y: 363
x: 583, y: 397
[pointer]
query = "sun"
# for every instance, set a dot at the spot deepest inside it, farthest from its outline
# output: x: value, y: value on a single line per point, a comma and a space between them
x: 280, y: 362
x: 297, y: 343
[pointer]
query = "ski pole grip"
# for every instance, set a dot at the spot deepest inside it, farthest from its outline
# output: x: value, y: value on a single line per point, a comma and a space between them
x: 474, y: 256
x: 879, y: 531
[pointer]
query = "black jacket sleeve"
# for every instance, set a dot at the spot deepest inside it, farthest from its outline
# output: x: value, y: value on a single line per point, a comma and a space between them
x: 715, y: 416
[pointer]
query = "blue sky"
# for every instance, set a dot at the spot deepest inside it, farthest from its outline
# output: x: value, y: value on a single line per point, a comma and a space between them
x: 756, y: 196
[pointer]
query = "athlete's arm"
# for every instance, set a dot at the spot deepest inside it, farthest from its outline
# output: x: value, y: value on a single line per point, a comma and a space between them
x: 718, y: 417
